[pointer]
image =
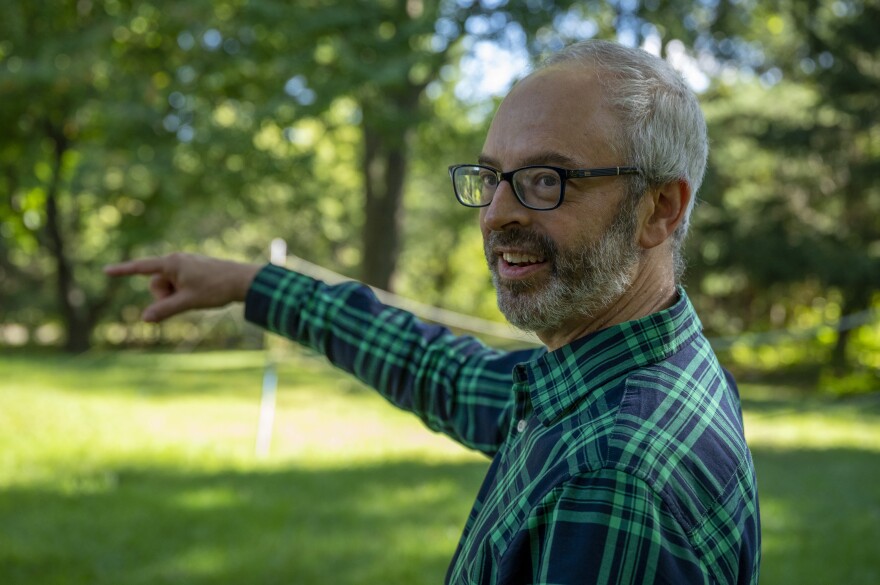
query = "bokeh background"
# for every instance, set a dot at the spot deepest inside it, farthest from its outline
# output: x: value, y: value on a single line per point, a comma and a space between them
x: 138, y: 128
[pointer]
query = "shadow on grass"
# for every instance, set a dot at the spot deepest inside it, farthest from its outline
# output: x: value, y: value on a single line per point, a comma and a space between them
x: 820, y: 511
x: 390, y: 523
x: 395, y: 523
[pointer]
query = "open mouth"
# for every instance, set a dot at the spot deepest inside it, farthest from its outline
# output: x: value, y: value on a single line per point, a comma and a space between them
x: 519, y: 254
x: 515, y: 259
x: 519, y: 265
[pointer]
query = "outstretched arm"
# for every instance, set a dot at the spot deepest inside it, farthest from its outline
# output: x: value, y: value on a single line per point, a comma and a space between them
x: 181, y: 282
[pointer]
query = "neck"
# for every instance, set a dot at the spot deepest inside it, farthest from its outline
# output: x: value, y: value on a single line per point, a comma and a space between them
x: 653, y: 289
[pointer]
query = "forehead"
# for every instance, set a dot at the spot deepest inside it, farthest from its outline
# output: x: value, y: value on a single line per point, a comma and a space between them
x: 554, y: 113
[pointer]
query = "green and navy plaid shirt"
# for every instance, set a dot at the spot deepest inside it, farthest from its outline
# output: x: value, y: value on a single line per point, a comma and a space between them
x: 619, y: 458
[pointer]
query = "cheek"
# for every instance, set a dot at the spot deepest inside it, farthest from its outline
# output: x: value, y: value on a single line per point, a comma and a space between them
x: 587, y: 215
x: 569, y: 235
x: 573, y: 226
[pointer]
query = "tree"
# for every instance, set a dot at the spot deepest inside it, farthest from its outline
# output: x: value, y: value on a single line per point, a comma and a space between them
x: 81, y: 113
x: 795, y: 189
x: 208, y: 122
x: 114, y: 124
x: 128, y: 113
x: 383, y: 55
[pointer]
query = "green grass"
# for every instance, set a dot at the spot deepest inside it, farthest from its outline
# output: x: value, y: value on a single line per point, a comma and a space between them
x: 818, y: 465
x: 140, y: 468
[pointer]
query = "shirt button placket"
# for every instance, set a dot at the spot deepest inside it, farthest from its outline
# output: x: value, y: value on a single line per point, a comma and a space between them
x: 521, y: 388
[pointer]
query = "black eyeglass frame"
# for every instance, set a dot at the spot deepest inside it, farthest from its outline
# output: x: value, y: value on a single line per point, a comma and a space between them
x: 564, y: 176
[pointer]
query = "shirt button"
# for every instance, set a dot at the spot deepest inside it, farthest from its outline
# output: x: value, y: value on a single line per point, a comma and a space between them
x: 520, y: 426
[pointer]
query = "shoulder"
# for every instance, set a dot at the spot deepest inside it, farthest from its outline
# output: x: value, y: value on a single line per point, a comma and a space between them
x: 679, y: 429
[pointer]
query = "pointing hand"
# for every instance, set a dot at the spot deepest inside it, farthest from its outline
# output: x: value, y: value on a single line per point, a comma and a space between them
x: 181, y: 282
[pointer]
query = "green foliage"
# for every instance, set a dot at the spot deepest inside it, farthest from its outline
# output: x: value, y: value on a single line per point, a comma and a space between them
x: 152, y: 126
x: 98, y: 150
x: 137, y: 128
x: 792, y: 202
x: 860, y: 381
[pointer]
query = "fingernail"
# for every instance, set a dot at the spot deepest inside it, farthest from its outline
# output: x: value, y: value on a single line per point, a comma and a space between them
x: 149, y: 316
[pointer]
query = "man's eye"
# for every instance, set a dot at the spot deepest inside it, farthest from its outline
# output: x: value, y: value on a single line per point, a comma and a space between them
x: 488, y: 179
x: 547, y: 180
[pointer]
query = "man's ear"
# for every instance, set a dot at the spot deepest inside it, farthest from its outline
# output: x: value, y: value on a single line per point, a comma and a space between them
x: 664, y: 210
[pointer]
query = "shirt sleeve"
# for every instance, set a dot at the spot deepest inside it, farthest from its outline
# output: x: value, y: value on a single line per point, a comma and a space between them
x: 456, y: 385
x: 605, y: 527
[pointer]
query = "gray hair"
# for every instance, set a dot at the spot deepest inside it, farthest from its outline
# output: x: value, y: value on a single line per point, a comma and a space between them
x: 663, y: 131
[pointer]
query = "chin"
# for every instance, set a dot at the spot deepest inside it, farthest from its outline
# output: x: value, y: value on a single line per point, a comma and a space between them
x: 528, y: 312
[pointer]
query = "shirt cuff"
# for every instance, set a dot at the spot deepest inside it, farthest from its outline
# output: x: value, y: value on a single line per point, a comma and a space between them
x: 275, y: 290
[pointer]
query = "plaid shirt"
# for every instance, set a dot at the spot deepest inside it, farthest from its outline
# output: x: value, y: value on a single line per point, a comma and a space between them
x: 619, y: 458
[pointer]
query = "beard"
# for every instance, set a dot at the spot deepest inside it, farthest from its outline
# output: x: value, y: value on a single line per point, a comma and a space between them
x: 582, y: 281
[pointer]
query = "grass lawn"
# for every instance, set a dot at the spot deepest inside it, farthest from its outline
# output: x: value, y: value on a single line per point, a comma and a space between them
x: 139, y: 468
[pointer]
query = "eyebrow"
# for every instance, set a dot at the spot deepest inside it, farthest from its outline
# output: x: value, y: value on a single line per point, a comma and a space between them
x: 547, y: 157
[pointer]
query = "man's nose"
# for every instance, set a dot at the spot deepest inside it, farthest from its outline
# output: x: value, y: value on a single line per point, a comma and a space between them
x: 504, y: 210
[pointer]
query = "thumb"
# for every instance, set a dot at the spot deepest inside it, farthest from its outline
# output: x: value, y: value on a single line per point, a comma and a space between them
x: 169, y: 306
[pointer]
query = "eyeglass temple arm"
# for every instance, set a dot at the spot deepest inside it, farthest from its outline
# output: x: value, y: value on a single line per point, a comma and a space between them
x: 603, y: 172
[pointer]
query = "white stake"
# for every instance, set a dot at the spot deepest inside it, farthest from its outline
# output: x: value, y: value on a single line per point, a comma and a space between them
x: 277, y: 256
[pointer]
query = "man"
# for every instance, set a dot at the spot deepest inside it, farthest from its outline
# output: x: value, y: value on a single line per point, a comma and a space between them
x: 617, y: 453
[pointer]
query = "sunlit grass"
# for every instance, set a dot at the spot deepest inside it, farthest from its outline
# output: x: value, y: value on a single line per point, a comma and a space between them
x: 783, y: 417
x: 200, y: 409
x: 139, y: 468
x: 818, y: 465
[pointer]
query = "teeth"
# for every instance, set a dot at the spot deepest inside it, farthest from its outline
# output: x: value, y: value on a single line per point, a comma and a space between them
x: 513, y: 258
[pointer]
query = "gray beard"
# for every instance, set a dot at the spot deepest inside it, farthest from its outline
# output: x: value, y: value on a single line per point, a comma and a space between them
x: 582, y: 281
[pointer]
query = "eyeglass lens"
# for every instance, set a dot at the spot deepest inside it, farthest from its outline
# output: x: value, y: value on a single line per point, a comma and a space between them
x: 536, y: 187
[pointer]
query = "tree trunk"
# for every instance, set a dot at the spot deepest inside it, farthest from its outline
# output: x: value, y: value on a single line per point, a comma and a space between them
x: 384, y: 167
x: 855, y: 300
x: 384, y: 171
x: 838, y: 355
x: 71, y: 299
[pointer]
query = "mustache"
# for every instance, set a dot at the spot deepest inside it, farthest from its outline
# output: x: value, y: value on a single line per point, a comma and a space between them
x: 521, y: 238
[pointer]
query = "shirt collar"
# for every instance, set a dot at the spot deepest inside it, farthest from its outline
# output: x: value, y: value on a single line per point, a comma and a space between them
x: 560, y: 379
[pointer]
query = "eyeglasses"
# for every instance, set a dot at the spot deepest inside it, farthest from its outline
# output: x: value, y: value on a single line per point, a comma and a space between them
x: 537, y: 187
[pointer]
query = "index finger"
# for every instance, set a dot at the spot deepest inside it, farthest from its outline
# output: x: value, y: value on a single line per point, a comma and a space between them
x: 139, y: 266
